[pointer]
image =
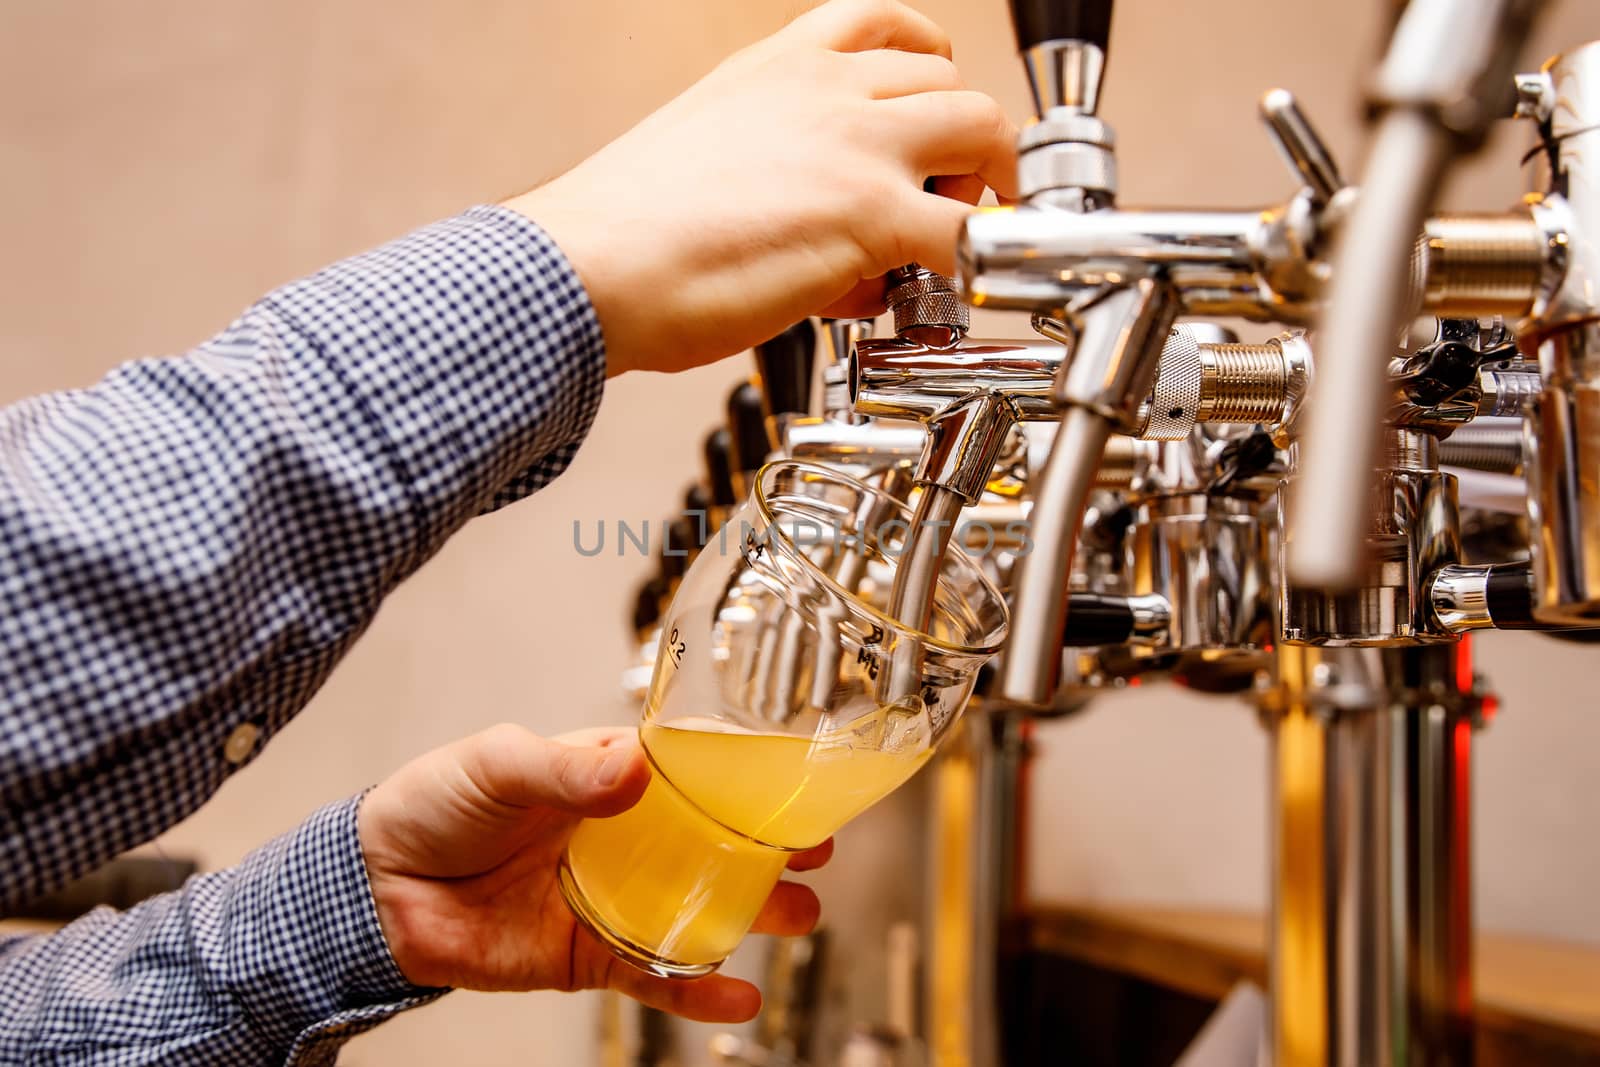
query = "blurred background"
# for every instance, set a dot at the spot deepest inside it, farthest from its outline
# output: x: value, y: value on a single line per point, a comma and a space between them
x: 162, y: 164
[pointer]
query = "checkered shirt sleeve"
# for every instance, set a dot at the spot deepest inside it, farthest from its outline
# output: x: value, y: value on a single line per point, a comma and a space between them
x: 277, y: 960
x: 190, y: 545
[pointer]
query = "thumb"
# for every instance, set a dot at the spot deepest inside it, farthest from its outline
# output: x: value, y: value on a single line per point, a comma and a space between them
x: 517, y: 767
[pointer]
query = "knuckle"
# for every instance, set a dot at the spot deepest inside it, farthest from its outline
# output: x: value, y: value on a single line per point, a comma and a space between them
x: 504, y: 735
x: 984, y: 117
x: 566, y: 769
x: 876, y: 15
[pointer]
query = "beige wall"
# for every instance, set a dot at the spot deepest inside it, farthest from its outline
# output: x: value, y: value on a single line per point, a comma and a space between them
x: 163, y: 163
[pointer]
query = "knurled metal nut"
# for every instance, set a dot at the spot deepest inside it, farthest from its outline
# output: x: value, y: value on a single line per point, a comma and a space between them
x: 934, y: 309
x: 928, y: 300
x: 1175, y: 398
x: 919, y: 285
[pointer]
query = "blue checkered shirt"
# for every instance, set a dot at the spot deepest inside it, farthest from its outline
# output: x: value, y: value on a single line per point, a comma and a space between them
x: 189, y: 547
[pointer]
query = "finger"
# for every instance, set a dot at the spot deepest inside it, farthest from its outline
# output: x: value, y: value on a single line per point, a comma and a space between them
x: 515, y: 766
x: 926, y: 229
x: 864, y: 301
x: 599, y: 736
x: 713, y: 999
x: 792, y: 909
x: 812, y: 858
x: 956, y: 132
x: 862, y: 25
x: 967, y: 188
x: 885, y: 73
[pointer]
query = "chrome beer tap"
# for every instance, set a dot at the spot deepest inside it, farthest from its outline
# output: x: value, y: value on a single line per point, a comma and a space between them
x: 970, y: 396
x: 1445, y: 79
x: 1110, y: 277
x: 1113, y: 281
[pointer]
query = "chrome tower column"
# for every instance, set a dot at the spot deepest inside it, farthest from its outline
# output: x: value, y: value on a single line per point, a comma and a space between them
x: 1371, y: 900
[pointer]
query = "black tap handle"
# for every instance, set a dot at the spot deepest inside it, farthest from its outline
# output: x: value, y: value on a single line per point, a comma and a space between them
x: 683, y: 538
x: 695, y: 501
x: 647, y: 604
x: 747, y: 427
x: 719, y: 468
x: 1510, y: 595
x: 1038, y: 21
x: 677, y: 543
x: 1097, y: 619
x: 695, y: 506
x: 785, y: 364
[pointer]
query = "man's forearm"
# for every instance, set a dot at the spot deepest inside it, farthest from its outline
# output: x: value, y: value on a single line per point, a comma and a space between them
x: 189, y: 546
x: 278, y: 960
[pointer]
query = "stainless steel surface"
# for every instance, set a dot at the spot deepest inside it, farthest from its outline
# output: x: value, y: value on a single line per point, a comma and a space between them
x: 1366, y: 310
x: 1174, y: 405
x: 871, y: 445
x: 1412, y: 530
x: 1564, y: 424
x: 1211, y: 559
x: 1033, y: 658
x: 1563, y: 463
x: 1302, y: 149
x: 1372, y: 908
x: 1065, y: 155
x: 1119, y: 343
x: 1445, y: 77
x: 925, y: 304
x: 838, y: 339
x: 898, y: 379
x: 1040, y: 258
x: 1226, y: 382
x: 1152, y: 619
x: 973, y: 838
x: 1066, y: 160
x: 1506, y: 393
x: 1459, y: 596
x: 1482, y: 264
x: 964, y: 441
x: 1065, y: 74
x: 1121, y: 334
x: 1150, y: 468
x: 1493, y: 448
x: 915, y: 582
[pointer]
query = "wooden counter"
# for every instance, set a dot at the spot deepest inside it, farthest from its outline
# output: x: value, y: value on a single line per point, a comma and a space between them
x: 1538, y: 999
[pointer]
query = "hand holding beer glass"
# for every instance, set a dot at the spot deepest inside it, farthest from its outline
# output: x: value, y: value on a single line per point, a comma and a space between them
x: 768, y: 723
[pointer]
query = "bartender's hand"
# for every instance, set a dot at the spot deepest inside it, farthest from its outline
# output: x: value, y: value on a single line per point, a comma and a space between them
x: 461, y: 848
x: 779, y: 186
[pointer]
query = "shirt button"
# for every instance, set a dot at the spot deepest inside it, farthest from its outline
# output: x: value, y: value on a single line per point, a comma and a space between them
x: 241, y: 743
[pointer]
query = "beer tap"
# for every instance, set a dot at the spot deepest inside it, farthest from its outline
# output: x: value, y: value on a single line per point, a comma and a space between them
x: 748, y: 442
x: 1112, y: 278
x: 784, y: 369
x: 1445, y: 79
x: 970, y: 396
x: 1118, y: 315
x: 838, y: 436
x: 721, y: 484
x: 1564, y: 420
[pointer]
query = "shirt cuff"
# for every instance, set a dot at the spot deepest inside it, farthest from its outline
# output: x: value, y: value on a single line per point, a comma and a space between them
x: 315, y: 969
x: 474, y: 347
